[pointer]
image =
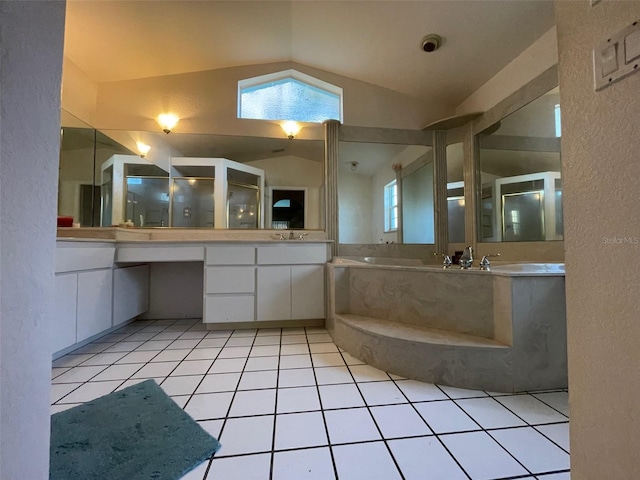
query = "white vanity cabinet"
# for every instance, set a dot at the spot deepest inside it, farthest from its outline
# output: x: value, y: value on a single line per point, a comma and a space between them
x: 229, y: 283
x: 291, y: 281
x: 264, y: 282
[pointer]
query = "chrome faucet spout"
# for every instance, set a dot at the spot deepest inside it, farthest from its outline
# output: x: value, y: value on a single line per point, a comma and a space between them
x: 466, y: 260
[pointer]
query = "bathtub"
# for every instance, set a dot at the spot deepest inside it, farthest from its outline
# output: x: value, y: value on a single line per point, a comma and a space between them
x: 502, y: 269
x: 500, y: 330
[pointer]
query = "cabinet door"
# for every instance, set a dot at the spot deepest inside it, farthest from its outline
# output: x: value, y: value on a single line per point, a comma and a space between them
x: 274, y: 293
x: 307, y: 291
x: 229, y: 308
x: 63, y: 331
x: 94, y: 302
x: 130, y: 293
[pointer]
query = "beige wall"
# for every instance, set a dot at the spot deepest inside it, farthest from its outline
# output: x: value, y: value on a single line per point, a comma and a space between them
x: 600, y: 145
x: 206, y: 102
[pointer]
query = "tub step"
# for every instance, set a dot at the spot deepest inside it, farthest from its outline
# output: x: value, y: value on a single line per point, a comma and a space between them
x: 417, y: 334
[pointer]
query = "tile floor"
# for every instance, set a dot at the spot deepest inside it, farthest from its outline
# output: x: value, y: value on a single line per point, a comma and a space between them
x: 287, y: 404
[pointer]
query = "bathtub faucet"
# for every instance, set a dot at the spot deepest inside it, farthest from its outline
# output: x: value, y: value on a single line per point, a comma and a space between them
x: 466, y: 260
x: 446, y: 259
x: 485, y: 264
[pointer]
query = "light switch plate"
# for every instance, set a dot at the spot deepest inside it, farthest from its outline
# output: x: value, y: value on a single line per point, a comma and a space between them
x: 617, y: 57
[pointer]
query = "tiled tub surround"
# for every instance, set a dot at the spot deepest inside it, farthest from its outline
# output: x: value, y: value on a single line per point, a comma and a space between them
x: 287, y: 404
x: 503, y: 330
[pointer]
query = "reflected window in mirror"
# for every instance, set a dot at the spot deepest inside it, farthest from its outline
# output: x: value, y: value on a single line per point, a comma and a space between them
x: 391, y: 207
x: 455, y: 192
x: 364, y: 170
x: 520, y: 175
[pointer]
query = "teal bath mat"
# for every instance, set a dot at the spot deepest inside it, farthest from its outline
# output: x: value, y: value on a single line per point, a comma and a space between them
x: 137, y: 433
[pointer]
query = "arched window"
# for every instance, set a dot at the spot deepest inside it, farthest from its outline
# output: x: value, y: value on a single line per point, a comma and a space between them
x: 289, y: 95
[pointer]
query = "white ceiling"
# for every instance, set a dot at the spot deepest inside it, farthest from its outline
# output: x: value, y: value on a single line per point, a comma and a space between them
x: 374, y: 41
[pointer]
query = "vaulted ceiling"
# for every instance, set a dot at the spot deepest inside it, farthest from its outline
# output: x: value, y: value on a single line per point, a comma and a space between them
x: 378, y: 42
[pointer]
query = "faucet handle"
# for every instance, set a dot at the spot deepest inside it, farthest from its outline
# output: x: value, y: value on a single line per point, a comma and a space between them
x: 302, y: 235
x: 446, y: 259
x: 279, y: 236
x: 485, y: 264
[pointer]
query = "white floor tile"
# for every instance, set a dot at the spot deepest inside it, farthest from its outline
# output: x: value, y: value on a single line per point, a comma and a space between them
x: 124, y: 347
x: 129, y: 383
x: 558, y: 432
x: 292, y: 339
x: 192, y: 367
x: 59, y: 390
x: 203, y: 354
x: 531, y: 410
x: 531, y: 449
x: 295, y: 361
x: 299, y: 430
x: 257, y: 380
x: 170, y: 355
x: 141, y: 336
x: 193, y: 335
x: 219, y: 382
x: 333, y: 375
x: 267, y: 332
x: 267, y: 340
x: 72, y: 360
x: 319, y: 337
x: 248, y: 467
x: 137, y: 356
x: 185, y: 385
x: 300, y: 377
x: 118, y: 372
x: 416, y: 456
x: 244, y: 333
x: 181, y: 400
x: 352, y: 425
x: 557, y: 400
x: 197, y: 473
x: 381, y: 393
x: 370, y: 461
x: 228, y: 365
x: 219, y: 334
x: 79, y: 374
x: 91, y: 391
x: 489, y: 413
x: 253, y: 402
x: 297, y: 399
x: 340, y: 396
x: 307, y: 464
x: 155, y: 369
x: 297, y: 349
x: 212, y: 427
x: 234, y: 352
x: 420, y: 391
x: 327, y: 360
x: 323, y: 348
x: 481, y: 456
x: 167, y: 335
x: 105, y: 359
x: 351, y: 360
x: 367, y: 373
x: 456, y: 393
x: 556, y: 476
x: 265, y: 351
x: 293, y: 331
x: 240, y: 342
x: 94, y: 347
x: 182, y: 344
x: 212, y: 343
x: 445, y: 417
x: 246, y: 435
x: 209, y: 405
x: 396, y: 421
x: 56, y: 372
x: 256, y: 364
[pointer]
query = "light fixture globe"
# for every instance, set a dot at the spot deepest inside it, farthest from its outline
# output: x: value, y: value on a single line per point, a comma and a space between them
x: 291, y: 129
x: 167, y: 121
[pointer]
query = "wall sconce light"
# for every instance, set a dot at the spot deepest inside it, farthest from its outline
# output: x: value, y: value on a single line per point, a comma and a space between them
x: 143, y: 149
x: 291, y: 129
x: 167, y: 121
x: 354, y: 166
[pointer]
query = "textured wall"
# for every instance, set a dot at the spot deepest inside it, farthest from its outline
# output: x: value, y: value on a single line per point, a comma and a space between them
x: 600, y: 145
x: 30, y: 70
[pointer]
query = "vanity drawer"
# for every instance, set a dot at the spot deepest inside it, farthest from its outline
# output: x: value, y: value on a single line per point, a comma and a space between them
x: 229, y: 308
x: 230, y: 255
x: 230, y: 279
x: 292, y: 253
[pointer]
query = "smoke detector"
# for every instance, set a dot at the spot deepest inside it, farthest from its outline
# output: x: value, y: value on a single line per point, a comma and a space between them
x: 431, y: 42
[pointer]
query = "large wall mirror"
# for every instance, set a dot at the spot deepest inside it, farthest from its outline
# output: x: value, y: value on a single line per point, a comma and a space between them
x: 455, y: 192
x: 520, y: 191
x: 369, y: 195
x: 104, y: 181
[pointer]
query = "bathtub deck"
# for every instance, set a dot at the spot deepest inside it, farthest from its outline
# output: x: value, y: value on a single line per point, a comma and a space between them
x: 418, y: 334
